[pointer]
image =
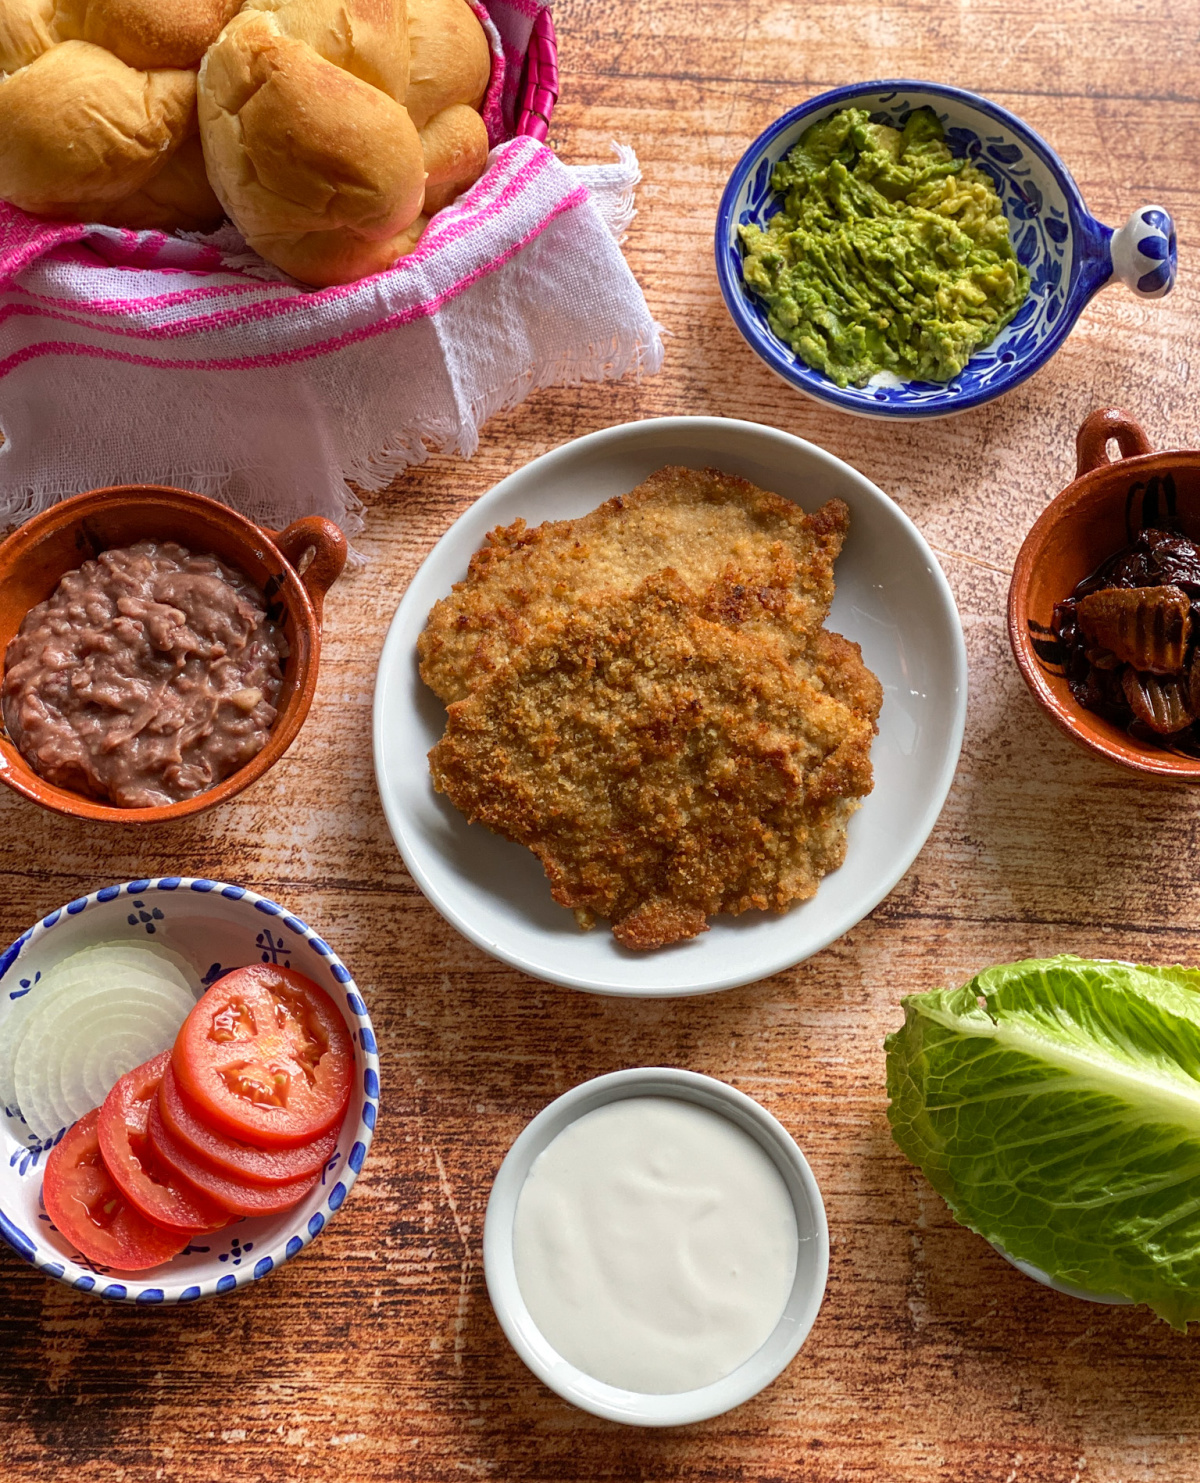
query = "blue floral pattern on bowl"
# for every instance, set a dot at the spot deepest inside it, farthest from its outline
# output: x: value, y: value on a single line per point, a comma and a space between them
x: 1144, y: 252
x: 1068, y: 253
x: 218, y: 927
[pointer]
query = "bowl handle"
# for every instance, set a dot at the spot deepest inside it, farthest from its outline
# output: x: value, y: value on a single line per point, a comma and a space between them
x: 324, y: 566
x: 1144, y: 254
x: 1091, y: 446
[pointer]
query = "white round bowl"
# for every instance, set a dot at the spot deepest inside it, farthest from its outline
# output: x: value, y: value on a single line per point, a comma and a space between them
x: 1045, y: 1280
x: 891, y: 598
x: 217, y: 927
x: 808, y: 1287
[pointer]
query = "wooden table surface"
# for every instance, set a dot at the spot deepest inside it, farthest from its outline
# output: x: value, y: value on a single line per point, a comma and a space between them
x: 375, y: 1355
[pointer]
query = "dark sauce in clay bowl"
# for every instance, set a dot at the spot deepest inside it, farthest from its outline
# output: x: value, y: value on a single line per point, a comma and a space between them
x: 288, y: 571
x: 1104, y: 605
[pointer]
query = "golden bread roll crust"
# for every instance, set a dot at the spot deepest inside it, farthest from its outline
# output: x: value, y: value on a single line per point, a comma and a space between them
x: 451, y: 61
x: 367, y: 38
x: 321, y: 172
x: 146, y: 33
x: 326, y: 258
x: 77, y: 124
x: 455, y: 143
x: 176, y: 199
x: 26, y: 31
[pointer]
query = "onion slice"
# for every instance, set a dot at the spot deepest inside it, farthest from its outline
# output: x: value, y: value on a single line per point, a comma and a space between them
x: 92, y: 1017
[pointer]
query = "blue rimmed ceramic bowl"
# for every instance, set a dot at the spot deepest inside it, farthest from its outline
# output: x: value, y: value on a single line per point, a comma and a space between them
x: 1069, y: 254
x: 218, y: 927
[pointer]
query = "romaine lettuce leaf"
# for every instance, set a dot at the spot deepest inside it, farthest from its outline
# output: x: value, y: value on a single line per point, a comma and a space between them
x: 1055, y: 1105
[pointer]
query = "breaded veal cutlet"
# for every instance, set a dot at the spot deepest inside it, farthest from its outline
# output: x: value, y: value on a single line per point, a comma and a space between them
x: 707, y: 526
x: 760, y: 602
x: 662, y: 762
x: 647, y: 699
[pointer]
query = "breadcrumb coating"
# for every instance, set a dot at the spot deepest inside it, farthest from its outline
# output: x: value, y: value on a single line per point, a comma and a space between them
x: 663, y: 766
x: 700, y: 523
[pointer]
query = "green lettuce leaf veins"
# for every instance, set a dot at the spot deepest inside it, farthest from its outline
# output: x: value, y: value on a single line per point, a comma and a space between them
x: 1055, y: 1105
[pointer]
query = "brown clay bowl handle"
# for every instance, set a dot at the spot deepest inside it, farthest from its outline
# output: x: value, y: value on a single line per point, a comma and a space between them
x: 328, y: 547
x: 1091, y: 446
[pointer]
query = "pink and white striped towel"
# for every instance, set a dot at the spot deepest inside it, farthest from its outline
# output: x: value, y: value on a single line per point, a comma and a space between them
x: 135, y: 357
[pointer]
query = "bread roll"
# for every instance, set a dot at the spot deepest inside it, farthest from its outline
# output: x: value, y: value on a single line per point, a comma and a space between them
x: 450, y: 58
x: 77, y: 124
x: 455, y: 144
x: 320, y: 119
x: 178, y: 198
x: 26, y: 31
x: 367, y: 38
x: 146, y: 33
x: 449, y: 70
x: 325, y: 258
x: 322, y: 172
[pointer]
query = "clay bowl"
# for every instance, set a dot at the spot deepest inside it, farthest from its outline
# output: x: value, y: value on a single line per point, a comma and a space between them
x: 294, y: 568
x: 1094, y: 517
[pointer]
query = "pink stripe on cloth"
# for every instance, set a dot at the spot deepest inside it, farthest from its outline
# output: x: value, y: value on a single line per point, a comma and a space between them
x: 497, y: 192
x: 301, y: 353
x: 152, y: 301
x: 24, y: 239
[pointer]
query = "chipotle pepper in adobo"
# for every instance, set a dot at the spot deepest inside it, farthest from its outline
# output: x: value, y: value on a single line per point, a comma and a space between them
x: 1127, y: 640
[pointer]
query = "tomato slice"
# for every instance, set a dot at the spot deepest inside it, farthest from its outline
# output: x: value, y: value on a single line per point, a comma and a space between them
x: 92, y: 1213
x: 239, y: 1197
x: 265, y: 1058
x: 226, y: 1155
x: 145, y: 1181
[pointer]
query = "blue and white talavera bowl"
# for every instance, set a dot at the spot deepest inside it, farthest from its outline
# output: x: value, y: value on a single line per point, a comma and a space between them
x: 1069, y: 254
x: 217, y: 927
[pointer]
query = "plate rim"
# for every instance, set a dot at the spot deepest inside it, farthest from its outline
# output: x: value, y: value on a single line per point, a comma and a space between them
x: 393, y: 656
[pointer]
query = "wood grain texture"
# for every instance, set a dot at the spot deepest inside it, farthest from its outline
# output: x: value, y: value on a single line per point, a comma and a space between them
x: 375, y: 1354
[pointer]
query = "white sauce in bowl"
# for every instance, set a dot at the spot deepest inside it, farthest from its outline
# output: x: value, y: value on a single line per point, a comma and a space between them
x: 655, y: 1245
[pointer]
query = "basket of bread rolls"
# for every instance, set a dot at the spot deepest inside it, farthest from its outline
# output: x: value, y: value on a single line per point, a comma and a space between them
x: 278, y: 251
x: 327, y: 131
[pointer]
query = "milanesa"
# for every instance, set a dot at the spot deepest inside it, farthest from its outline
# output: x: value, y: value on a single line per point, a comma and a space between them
x: 647, y: 700
x: 662, y: 766
x: 703, y: 524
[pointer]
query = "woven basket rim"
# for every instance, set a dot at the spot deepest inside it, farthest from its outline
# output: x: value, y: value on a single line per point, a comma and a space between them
x: 538, y: 90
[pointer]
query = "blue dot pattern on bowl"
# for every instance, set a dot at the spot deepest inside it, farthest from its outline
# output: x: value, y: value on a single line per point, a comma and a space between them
x: 1049, y: 230
x: 25, y: 1161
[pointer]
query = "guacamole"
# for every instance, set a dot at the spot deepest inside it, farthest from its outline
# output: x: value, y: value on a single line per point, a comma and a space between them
x: 888, y: 254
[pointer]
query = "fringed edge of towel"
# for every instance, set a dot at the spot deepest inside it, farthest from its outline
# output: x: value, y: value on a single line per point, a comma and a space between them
x: 640, y: 351
x: 613, y: 188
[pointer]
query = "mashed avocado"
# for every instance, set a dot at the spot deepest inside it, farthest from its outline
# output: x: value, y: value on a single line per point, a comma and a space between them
x: 889, y: 254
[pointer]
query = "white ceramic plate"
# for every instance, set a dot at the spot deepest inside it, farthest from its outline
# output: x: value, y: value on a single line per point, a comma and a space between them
x: 812, y: 1254
x: 891, y: 598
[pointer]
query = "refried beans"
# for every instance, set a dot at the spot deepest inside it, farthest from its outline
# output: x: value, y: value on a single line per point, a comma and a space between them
x: 149, y: 675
